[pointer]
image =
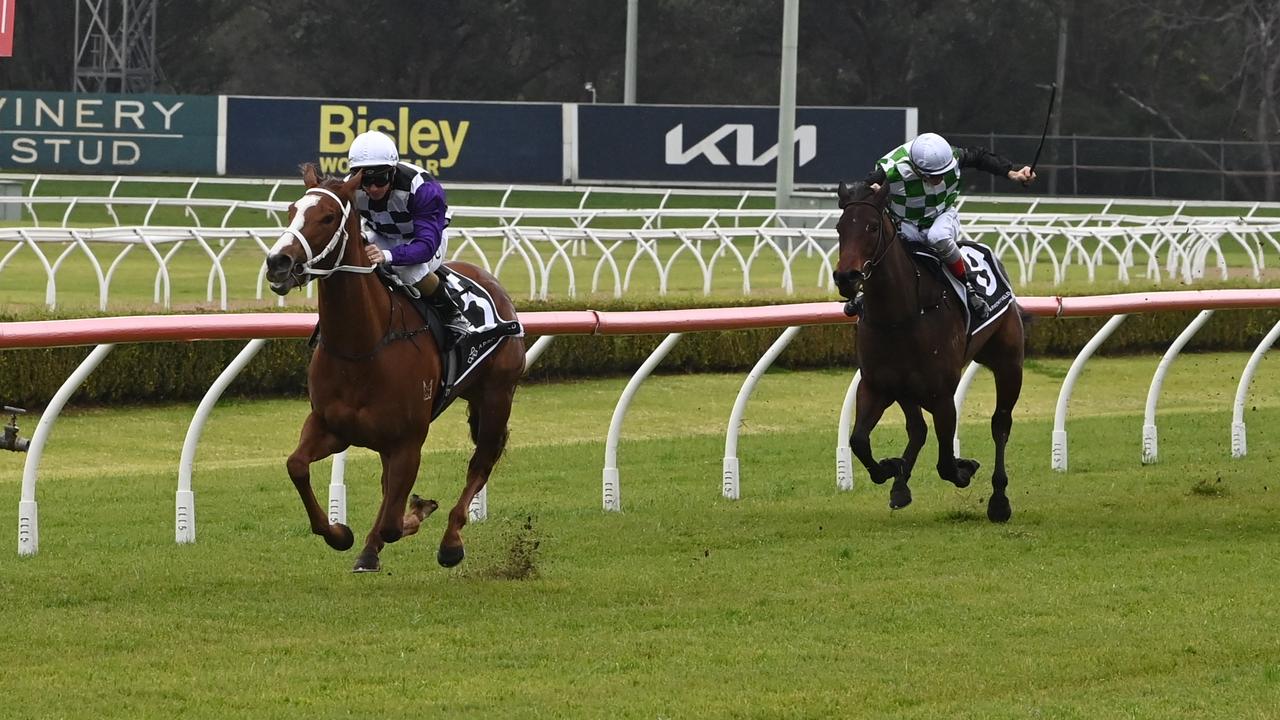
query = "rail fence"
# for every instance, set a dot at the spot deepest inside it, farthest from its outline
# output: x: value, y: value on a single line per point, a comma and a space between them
x: 104, y: 333
x: 725, y: 249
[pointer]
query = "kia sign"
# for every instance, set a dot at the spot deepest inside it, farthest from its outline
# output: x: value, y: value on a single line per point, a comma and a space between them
x: 463, y: 141
x: 663, y: 144
x: 80, y: 132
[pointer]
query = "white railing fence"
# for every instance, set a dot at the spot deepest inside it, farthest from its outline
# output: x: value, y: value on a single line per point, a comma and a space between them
x: 106, y: 332
x: 546, y: 261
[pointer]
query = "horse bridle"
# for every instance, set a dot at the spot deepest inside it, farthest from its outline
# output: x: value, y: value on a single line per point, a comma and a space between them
x: 882, y: 247
x: 338, y: 241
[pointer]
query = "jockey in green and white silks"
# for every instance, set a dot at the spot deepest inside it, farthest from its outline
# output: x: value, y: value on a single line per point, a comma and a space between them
x: 924, y: 185
x: 913, y: 200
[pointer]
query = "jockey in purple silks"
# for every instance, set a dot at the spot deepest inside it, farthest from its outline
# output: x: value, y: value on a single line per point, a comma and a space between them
x: 404, y: 214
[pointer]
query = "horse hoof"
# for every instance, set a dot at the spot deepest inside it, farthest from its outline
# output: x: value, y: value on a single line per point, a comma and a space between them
x: 422, y: 507
x: 449, y: 556
x: 367, y: 563
x: 339, y: 537
x: 899, y: 496
x: 998, y: 509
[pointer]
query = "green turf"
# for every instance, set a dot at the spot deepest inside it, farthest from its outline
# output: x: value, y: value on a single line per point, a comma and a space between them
x: 1117, y: 590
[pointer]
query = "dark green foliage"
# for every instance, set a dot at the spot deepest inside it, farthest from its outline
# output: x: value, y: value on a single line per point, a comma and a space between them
x: 184, y: 371
x: 1151, y: 333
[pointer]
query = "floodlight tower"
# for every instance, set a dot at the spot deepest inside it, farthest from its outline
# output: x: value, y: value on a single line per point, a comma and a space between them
x: 115, y: 46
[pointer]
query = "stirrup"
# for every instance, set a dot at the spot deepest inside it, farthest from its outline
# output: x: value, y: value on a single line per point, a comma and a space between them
x: 456, y: 324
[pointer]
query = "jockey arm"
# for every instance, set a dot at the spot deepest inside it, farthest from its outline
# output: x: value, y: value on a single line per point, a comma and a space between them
x: 987, y: 161
x: 970, y: 157
x: 429, y: 210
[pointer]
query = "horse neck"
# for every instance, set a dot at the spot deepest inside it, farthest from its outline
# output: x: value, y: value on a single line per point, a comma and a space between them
x: 892, y: 290
x: 354, y: 307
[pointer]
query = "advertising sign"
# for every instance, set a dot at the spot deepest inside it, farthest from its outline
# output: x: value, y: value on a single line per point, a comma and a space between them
x: 77, y: 132
x: 6, y: 28
x: 463, y: 141
x: 731, y: 145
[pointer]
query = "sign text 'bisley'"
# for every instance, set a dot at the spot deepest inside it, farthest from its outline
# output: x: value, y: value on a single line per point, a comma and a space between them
x: 432, y: 144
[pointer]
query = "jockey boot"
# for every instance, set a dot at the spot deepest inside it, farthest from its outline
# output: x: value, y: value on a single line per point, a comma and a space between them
x: 436, y: 294
x: 977, y: 301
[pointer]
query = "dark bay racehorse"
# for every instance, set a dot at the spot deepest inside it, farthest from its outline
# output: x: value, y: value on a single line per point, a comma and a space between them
x: 374, y: 376
x: 912, y: 350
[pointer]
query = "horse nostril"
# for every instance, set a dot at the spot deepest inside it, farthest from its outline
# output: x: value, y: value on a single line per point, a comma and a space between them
x: 279, y: 264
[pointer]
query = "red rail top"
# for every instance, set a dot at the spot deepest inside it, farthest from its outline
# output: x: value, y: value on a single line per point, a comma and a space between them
x: 231, y: 326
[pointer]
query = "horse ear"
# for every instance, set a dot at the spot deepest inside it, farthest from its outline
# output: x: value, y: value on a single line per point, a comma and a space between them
x: 349, y: 187
x: 843, y: 192
x: 309, y: 177
x: 882, y: 194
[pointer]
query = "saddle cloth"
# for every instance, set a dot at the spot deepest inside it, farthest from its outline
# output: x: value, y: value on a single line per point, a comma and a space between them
x: 458, y: 359
x: 988, y: 277
x: 487, y: 329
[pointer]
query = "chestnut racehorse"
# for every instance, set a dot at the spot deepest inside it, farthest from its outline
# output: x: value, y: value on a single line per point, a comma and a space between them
x: 912, y: 350
x: 374, y: 377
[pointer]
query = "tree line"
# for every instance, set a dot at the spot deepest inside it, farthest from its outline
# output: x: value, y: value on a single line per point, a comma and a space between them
x: 1207, y: 69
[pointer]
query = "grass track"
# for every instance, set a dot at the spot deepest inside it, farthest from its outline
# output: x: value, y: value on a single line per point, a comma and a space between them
x: 1117, y: 590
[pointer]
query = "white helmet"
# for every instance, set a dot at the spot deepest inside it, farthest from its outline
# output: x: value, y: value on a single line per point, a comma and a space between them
x: 372, y: 149
x: 930, y: 153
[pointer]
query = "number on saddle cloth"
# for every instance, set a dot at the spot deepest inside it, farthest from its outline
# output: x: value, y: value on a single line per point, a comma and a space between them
x: 487, y: 328
x: 987, y: 274
x: 989, y: 278
x: 477, y: 306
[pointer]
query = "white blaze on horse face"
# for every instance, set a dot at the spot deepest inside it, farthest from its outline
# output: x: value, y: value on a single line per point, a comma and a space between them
x: 304, y: 203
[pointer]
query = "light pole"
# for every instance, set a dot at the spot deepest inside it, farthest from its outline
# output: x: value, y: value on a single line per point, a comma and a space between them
x: 629, y: 71
x: 591, y: 88
x: 787, y: 105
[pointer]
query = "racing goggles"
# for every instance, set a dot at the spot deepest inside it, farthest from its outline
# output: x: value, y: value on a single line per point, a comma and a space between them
x: 376, y: 176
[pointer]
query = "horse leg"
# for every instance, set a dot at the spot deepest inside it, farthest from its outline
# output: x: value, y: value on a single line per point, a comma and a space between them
x: 1008, y: 388
x: 399, y: 471
x: 487, y: 417
x: 957, y: 471
x: 917, y: 432
x: 317, y: 443
x: 871, y: 406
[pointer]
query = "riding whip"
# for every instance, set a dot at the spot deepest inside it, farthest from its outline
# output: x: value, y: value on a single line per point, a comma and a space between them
x: 1053, y: 95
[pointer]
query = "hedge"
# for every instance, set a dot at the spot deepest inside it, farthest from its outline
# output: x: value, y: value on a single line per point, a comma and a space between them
x: 157, y: 372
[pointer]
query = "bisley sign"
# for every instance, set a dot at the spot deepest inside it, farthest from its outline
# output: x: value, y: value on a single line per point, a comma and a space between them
x: 462, y: 141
